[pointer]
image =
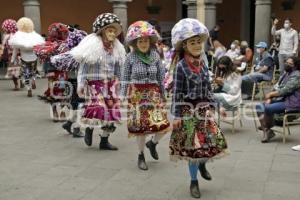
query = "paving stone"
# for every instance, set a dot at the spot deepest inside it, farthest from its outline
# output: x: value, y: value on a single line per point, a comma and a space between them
x: 39, y: 160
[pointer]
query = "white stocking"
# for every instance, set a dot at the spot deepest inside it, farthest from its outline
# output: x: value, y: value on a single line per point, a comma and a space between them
x: 105, y: 134
x: 141, y: 143
x: 157, y: 137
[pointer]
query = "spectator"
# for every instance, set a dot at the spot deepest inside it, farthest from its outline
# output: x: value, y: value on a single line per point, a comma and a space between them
x: 247, y: 51
x: 263, y: 69
x: 245, y: 58
x: 234, y: 50
x: 220, y: 50
x: 228, y: 93
x: 213, y: 35
x: 274, y: 50
x: 288, y: 42
x: 241, y: 61
x: 284, y: 97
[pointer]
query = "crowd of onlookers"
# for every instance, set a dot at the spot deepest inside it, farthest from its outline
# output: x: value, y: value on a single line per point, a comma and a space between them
x: 238, y: 70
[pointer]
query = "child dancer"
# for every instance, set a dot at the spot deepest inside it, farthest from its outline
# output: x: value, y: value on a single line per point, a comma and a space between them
x: 195, y: 137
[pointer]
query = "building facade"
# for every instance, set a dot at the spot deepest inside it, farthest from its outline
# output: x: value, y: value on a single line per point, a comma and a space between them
x: 239, y: 19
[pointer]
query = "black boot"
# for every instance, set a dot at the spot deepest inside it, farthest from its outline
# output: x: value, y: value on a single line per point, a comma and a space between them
x: 67, y: 126
x: 105, y: 145
x: 266, y: 121
x: 203, y: 171
x: 268, y: 134
x: 152, y: 147
x: 29, y: 93
x: 88, y: 137
x: 194, y: 189
x: 141, y: 162
x: 77, y: 133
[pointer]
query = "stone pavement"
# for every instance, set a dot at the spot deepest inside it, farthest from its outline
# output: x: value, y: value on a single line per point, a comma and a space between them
x: 39, y: 161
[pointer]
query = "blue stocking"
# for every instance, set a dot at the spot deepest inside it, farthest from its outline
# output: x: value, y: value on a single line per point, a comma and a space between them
x: 193, y: 168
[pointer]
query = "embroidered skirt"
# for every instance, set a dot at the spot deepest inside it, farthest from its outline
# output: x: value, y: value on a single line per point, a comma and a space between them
x: 103, y: 104
x: 145, y: 114
x: 199, y: 139
x: 29, y: 69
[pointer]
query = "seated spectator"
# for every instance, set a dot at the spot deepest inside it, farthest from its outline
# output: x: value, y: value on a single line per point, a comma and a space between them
x: 220, y: 50
x: 234, y: 50
x: 263, y: 69
x: 284, y: 97
x: 228, y: 93
x: 240, y: 63
x: 213, y: 35
x: 248, y: 51
x: 245, y: 59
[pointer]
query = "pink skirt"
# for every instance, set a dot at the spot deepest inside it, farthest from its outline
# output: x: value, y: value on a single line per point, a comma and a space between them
x: 103, y: 103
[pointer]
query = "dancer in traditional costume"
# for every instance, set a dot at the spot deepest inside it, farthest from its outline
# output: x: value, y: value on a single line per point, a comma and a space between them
x: 56, y: 44
x: 142, y: 85
x: 22, y: 43
x: 65, y: 62
x: 101, y: 56
x: 9, y: 27
x: 196, y: 136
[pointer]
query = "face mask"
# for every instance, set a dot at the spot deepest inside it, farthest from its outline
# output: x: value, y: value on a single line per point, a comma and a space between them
x: 258, y: 51
x: 222, y: 67
x: 110, y: 34
x: 288, y: 67
x: 165, y: 49
x: 243, y: 50
x: 143, y: 44
x: 232, y: 46
x: 286, y: 26
x: 194, y: 46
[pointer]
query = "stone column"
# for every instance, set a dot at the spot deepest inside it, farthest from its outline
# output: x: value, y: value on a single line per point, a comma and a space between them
x: 263, y: 20
x: 211, y: 13
x: 201, y: 11
x: 32, y: 11
x: 120, y: 9
x: 191, y: 8
x: 245, y: 20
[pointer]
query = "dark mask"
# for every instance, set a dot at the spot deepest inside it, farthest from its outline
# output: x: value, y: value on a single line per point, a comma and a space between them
x: 243, y: 50
x: 288, y: 68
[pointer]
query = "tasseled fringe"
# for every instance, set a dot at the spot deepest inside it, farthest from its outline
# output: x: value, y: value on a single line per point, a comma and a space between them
x: 165, y: 131
x: 222, y: 154
x: 96, y: 122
